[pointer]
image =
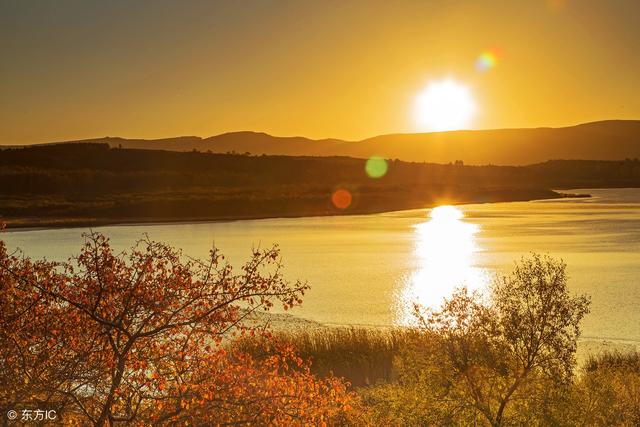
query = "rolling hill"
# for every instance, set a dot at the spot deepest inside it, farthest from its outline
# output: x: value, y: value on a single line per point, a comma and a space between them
x: 604, y: 140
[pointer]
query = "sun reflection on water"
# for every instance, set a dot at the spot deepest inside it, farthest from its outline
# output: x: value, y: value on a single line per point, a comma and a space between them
x: 445, y: 251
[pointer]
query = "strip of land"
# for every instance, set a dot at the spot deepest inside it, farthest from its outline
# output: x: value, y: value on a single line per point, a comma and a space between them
x: 92, y: 184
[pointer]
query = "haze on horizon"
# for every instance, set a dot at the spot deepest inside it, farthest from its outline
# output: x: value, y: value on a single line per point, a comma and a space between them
x: 350, y: 70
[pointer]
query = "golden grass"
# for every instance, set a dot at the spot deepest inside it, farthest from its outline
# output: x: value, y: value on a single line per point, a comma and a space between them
x: 361, y: 356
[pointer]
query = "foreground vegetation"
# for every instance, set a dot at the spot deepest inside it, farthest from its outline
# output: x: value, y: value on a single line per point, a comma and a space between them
x: 396, y: 386
x: 138, y: 338
x: 83, y: 184
x: 150, y: 337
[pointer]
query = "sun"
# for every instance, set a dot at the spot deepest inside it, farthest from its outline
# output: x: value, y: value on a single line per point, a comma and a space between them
x: 444, y: 105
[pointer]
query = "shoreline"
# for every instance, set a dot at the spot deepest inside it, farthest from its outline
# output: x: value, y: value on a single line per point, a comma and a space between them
x: 34, y: 224
x: 291, y: 319
x: 588, y: 346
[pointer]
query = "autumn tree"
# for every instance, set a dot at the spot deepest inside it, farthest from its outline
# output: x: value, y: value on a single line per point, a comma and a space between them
x: 492, y: 354
x: 139, y: 337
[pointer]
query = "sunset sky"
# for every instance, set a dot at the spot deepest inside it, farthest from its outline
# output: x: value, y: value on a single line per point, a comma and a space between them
x: 345, y: 69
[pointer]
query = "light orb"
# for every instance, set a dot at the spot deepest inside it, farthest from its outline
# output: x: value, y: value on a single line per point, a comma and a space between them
x: 444, y: 105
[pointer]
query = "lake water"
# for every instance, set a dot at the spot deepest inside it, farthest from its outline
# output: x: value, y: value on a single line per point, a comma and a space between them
x: 367, y: 269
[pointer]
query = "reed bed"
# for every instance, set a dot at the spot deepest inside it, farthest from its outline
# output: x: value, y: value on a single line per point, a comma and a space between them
x: 616, y: 360
x: 362, y: 356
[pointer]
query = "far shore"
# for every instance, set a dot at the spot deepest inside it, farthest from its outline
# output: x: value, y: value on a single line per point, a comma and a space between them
x: 29, y: 224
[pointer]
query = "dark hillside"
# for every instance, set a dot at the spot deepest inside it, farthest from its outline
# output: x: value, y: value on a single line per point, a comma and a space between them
x: 93, y: 183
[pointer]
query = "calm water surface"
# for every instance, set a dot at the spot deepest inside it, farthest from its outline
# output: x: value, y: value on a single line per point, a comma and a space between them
x: 367, y: 269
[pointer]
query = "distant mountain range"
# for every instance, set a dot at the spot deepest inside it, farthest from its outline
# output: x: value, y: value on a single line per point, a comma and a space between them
x: 603, y: 140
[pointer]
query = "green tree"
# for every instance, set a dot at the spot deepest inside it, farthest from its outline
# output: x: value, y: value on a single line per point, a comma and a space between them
x: 495, y: 354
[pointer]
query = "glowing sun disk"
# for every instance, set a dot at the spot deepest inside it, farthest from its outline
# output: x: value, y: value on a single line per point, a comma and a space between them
x: 444, y: 105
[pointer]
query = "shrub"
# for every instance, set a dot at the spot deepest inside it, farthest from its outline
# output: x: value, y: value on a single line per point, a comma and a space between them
x: 609, y: 390
x: 137, y: 337
x: 489, y: 360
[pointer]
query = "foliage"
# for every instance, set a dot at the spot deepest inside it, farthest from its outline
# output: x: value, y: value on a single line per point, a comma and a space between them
x: 138, y: 338
x: 609, y: 390
x: 148, y: 337
x: 399, y: 405
x: 493, y: 357
x: 361, y: 356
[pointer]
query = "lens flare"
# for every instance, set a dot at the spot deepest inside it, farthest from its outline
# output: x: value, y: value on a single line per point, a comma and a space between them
x: 341, y: 198
x: 488, y: 59
x: 376, y: 167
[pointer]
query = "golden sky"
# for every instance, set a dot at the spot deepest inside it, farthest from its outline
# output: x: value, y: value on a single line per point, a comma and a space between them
x: 345, y: 69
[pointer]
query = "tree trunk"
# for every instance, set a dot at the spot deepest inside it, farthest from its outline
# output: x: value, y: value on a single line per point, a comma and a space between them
x: 106, y: 409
